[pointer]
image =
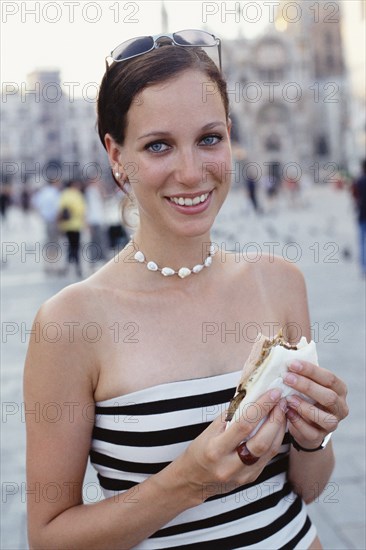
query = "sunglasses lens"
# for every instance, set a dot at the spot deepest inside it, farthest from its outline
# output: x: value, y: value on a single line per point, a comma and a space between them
x: 194, y: 38
x: 133, y: 47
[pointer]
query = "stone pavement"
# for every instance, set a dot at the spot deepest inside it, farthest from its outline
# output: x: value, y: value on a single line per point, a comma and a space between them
x: 321, y: 238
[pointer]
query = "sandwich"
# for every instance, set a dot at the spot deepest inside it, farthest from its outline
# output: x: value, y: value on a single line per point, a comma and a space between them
x: 265, y: 369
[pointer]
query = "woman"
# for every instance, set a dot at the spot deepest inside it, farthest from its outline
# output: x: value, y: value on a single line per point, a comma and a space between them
x: 147, y: 389
x: 71, y: 221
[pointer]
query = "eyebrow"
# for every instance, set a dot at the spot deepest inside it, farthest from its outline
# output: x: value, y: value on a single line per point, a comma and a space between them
x: 204, y: 128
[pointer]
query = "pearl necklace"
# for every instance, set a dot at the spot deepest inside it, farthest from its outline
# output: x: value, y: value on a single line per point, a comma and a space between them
x: 183, y: 272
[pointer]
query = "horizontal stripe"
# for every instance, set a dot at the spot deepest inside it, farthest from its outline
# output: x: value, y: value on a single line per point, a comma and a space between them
x: 178, y: 388
x: 300, y: 535
x: 124, y: 465
x: 169, y: 405
x: 271, y: 470
x: 150, y: 439
x: 243, y: 511
x: 246, y: 538
x: 115, y: 484
x: 155, y: 430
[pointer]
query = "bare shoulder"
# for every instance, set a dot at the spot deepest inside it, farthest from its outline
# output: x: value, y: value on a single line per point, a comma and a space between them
x: 274, y: 272
x: 280, y: 285
x: 283, y: 274
x: 76, y: 299
x: 63, y: 342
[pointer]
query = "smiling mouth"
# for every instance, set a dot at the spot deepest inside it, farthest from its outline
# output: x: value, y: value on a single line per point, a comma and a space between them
x: 186, y: 201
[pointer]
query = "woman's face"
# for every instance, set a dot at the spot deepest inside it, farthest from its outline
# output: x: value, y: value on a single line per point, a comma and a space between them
x: 177, y: 154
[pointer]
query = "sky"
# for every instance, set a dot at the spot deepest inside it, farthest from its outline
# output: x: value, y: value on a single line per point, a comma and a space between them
x: 75, y: 36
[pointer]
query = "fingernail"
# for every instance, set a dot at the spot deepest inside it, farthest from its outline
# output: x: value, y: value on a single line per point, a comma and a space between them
x: 296, y: 366
x: 293, y: 400
x: 290, y: 378
x: 292, y: 414
x: 283, y: 405
x: 275, y: 394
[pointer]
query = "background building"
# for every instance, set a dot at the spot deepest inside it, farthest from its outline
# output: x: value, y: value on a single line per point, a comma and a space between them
x: 290, y: 97
x: 292, y: 105
x: 48, y: 133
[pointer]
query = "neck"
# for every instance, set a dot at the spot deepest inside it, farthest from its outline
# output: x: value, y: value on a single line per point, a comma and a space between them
x: 174, y: 252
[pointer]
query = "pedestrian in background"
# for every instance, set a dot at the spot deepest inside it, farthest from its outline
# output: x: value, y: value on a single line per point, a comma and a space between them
x: 270, y: 185
x: 5, y: 199
x: 71, y: 217
x: 116, y: 233
x: 359, y: 194
x: 95, y: 218
x: 46, y: 202
x: 251, y: 187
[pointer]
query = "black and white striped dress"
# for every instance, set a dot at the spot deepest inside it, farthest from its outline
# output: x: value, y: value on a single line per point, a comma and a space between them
x: 138, y: 434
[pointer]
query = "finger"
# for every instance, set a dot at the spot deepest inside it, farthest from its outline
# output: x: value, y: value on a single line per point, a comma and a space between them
x: 252, y: 414
x: 326, y: 397
x: 303, y: 431
x: 268, y: 438
x: 323, y: 377
x: 312, y: 414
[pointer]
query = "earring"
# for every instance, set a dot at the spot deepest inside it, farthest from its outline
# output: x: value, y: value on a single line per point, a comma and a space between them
x: 117, y: 174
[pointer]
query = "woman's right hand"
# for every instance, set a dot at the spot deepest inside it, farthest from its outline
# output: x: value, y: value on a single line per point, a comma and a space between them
x: 211, y: 464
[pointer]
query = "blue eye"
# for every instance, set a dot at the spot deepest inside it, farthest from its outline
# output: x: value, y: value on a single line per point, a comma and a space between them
x: 156, y: 147
x: 211, y: 140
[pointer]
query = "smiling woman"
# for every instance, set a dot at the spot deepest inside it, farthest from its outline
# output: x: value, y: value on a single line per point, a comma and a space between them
x: 172, y: 475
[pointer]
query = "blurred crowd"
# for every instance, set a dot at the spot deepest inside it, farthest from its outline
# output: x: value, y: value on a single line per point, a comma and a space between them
x: 77, y: 214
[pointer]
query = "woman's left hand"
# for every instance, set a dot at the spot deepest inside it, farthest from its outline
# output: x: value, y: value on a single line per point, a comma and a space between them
x: 310, y: 423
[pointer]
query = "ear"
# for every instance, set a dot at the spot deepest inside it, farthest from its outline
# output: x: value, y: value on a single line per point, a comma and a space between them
x: 114, y: 153
x: 115, y: 160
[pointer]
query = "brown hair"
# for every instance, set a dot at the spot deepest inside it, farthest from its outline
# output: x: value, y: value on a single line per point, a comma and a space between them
x: 125, y: 79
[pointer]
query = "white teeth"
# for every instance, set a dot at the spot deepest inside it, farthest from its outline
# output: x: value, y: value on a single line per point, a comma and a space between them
x: 189, y: 202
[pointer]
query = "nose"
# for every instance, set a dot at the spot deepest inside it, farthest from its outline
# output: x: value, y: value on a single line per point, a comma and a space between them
x: 188, y: 168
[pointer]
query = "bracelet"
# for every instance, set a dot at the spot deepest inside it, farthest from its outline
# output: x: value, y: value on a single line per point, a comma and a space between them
x: 322, y: 445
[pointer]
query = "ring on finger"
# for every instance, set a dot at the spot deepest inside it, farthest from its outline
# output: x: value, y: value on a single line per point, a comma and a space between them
x: 245, y: 455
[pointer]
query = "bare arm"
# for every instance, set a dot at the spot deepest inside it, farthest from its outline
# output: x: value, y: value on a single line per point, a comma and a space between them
x: 64, y: 373
x: 59, y: 379
x: 309, y: 424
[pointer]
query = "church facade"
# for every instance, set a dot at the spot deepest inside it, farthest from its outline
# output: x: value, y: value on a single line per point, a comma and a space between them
x: 289, y: 95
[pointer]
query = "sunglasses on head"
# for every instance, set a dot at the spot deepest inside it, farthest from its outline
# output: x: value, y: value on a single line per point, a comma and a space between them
x: 144, y: 44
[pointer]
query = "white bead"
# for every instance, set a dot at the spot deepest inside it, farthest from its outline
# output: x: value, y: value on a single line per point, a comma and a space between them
x: 197, y: 268
x: 167, y: 271
x: 184, y: 272
x: 208, y: 261
x: 152, y: 266
x: 139, y: 256
x: 212, y: 249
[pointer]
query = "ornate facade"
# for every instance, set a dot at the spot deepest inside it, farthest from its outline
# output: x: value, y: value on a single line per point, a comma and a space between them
x: 289, y: 94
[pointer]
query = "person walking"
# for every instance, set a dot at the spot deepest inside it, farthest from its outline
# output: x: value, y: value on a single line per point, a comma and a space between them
x: 71, y: 218
x: 46, y: 202
x: 359, y: 194
x: 95, y: 218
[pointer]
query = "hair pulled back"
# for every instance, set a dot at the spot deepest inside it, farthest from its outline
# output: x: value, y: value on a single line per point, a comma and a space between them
x: 124, y: 80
